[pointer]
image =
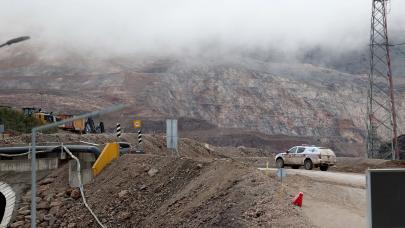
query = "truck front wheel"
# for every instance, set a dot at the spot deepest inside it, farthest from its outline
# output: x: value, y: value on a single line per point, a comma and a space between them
x: 308, y: 164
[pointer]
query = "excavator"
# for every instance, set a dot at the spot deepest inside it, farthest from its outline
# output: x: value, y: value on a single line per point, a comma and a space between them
x: 91, y: 128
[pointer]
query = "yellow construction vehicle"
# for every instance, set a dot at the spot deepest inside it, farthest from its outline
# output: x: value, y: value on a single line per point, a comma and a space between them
x: 78, y: 126
x: 44, y: 117
x: 75, y: 126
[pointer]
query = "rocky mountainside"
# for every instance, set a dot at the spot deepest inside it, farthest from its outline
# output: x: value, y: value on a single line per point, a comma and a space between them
x: 325, y: 100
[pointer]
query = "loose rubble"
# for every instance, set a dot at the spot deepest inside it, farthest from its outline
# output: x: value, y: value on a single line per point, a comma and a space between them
x: 199, y: 188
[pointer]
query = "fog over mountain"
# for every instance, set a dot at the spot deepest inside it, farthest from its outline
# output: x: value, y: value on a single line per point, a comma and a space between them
x: 160, y: 26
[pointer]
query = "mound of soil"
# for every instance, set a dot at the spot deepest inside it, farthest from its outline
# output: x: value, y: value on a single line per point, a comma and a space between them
x: 153, y: 144
x: 159, y: 191
x: 360, y: 165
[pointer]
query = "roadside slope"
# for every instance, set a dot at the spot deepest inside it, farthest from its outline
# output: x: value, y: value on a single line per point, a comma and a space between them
x: 184, y: 193
x: 161, y: 191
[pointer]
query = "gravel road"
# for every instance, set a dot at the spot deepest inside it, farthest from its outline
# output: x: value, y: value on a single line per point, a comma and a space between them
x: 331, y: 199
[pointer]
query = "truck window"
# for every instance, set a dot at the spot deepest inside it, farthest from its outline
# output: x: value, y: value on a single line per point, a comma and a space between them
x: 300, y: 149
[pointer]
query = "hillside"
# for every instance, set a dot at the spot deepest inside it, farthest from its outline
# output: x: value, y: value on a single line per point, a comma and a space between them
x: 304, y: 97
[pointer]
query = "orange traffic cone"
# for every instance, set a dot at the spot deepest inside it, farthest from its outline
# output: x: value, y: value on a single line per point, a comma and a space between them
x: 298, y: 199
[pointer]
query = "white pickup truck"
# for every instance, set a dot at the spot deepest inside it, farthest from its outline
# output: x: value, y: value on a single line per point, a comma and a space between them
x: 307, y: 156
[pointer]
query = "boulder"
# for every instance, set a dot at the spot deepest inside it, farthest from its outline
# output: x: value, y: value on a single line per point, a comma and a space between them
x: 75, y: 194
x: 43, y: 205
x: 152, y: 172
x: 16, y: 224
x: 122, y: 193
x: 47, y: 180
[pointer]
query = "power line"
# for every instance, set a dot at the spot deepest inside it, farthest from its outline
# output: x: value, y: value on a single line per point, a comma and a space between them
x: 392, y: 45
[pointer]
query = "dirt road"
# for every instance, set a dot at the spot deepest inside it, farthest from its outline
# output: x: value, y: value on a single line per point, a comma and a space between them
x: 331, y: 199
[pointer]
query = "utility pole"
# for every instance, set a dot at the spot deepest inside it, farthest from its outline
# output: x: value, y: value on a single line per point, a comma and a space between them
x: 381, y: 113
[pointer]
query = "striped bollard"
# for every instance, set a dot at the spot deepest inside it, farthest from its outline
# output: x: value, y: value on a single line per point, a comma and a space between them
x: 118, y: 130
x: 140, y: 137
x: 140, y: 142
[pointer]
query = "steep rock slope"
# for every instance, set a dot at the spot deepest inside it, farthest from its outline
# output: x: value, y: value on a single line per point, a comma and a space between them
x: 239, y: 91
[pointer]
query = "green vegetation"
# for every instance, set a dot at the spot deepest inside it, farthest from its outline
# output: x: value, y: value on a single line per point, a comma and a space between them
x: 15, y: 121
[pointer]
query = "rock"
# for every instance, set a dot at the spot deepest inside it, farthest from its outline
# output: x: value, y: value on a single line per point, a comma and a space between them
x: 49, y: 197
x: 48, y: 217
x: 142, y: 187
x: 75, y: 194
x: 56, y: 203
x: 43, y: 225
x: 61, y: 212
x: 24, y: 212
x: 16, y: 224
x: 42, y: 190
x: 54, y: 210
x: 146, y: 168
x: 71, y: 225
x: 24, y: 208
x: 40, y: 216
x: 43, y: 205
x: 60, y: 194
x: 47, y: 181
x: 199, y: 166
x: 123, y: 215
x: 122, y: 193
x: 25, y: 204
x: 152, y: 172
x: 207, y: 146
x: 68, y: 191
x: 26, y: 198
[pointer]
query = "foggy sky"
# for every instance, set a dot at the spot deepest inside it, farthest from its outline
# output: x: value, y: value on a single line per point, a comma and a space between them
x: 119, y: 26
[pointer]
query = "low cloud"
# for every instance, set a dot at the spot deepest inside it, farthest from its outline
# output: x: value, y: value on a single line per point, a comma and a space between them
x: 131, y: 26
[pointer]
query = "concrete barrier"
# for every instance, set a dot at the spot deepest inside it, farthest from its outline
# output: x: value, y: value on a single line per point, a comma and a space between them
x: 86, y: 174
x: 25, y: 165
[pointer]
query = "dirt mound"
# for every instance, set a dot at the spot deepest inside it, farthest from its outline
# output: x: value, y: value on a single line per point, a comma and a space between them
x: 56, y: 138
x: 153, y: 144
x: 159, y: 191
x: 360, y: 165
